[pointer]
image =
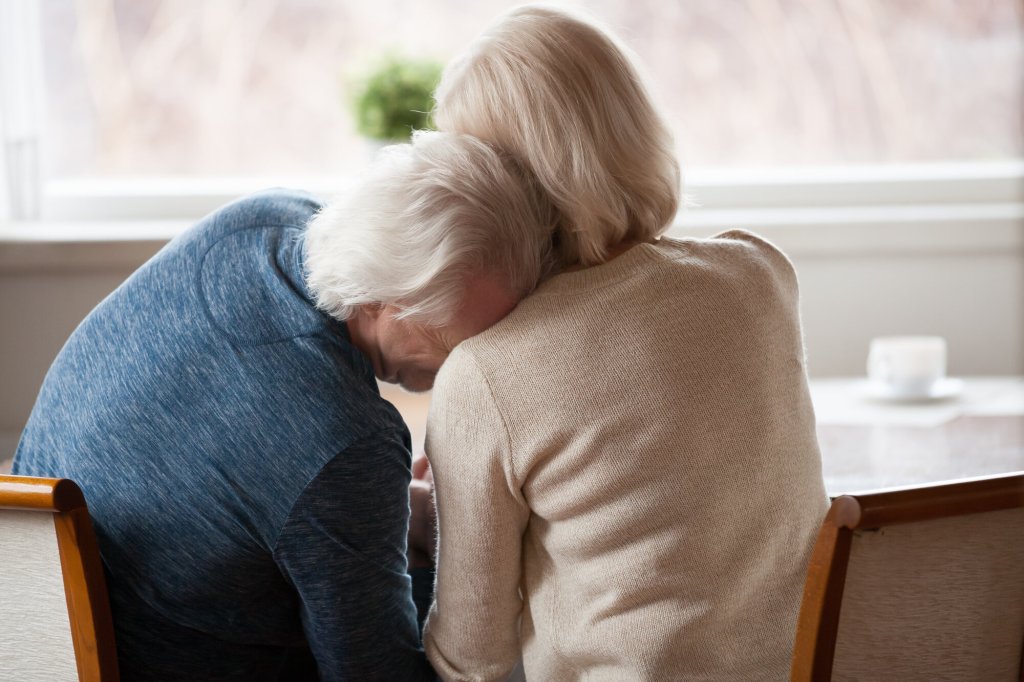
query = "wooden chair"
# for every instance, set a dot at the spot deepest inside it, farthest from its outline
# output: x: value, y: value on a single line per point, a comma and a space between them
x: 922, y: 583
x: 55, y: 619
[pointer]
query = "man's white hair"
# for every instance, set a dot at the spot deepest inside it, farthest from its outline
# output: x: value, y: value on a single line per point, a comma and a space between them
x: 562, y: 94
x: 425, y: 217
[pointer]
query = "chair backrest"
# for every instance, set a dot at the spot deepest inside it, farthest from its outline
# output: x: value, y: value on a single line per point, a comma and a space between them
x: 923, y: 583
x: 55, y: 619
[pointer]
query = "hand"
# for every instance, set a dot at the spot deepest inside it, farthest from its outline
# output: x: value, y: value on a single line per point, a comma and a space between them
x: 421, y: 468
x: 423, y: 518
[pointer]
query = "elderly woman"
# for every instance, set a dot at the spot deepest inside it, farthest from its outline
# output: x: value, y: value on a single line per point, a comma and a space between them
x: 248, y: 484
x: 627, y: 477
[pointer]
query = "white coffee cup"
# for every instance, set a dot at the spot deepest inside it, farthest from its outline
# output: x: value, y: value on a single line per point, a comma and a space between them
x: 907, y: 366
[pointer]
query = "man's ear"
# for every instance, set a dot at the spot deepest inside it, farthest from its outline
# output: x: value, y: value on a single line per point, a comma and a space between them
x: 370, y: 311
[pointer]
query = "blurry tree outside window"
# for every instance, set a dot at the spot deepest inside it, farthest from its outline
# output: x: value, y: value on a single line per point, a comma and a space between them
x: 254, y: 88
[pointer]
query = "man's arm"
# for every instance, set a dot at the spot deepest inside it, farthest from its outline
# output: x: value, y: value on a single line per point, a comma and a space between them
x: 343, y: 548
x: 472, y: 632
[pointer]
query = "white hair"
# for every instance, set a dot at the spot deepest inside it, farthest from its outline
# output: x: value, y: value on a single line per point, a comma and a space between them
x: 564, y: 96
x: 426, y: 216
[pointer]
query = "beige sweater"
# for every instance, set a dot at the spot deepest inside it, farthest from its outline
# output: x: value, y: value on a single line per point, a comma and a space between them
x: 627, y: 477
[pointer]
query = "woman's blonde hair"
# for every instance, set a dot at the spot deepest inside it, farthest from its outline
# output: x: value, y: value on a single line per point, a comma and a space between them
x: 563, y: 95
x: 426, y: 216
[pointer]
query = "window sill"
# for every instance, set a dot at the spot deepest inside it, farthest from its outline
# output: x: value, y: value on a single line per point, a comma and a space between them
x: 82, y: 246
x: 958, y: 229
x: 906, y: 210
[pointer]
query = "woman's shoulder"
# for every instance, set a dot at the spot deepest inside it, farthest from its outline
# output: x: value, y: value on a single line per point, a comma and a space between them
x: 736, y: 254
x: 733, y: 269
x: 732, y: 244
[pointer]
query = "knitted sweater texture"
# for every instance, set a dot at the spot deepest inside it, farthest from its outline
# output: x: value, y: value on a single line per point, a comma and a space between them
x: 627, y: 476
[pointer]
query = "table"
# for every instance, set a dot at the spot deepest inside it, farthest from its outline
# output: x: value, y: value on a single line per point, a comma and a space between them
x: 868, y: 444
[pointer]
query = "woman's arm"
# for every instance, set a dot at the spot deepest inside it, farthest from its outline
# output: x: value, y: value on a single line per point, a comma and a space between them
x: 472, y: 632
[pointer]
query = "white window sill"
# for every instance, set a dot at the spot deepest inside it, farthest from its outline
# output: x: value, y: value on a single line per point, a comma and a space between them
x: 810, y: 232
x: 94, y: 246
x: 908, y: 210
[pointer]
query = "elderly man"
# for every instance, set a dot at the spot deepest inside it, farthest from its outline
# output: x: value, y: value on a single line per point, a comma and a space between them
x: 248, y: 484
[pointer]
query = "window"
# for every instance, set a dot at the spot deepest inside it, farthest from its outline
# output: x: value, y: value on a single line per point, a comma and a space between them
x: 159, y: 89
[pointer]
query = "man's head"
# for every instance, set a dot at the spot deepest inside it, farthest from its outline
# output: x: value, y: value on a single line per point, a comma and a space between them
x: 438, y: 242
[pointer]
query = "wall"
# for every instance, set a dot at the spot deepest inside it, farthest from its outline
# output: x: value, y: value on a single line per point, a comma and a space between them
x: 964, y: 282
x: 45, y: 291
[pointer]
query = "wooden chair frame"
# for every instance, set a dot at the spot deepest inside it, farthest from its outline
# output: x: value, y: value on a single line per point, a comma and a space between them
x: 85, y: 587
x: 818, y: 624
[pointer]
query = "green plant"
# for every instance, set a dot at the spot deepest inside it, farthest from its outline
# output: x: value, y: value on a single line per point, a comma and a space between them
x: 395, y: 98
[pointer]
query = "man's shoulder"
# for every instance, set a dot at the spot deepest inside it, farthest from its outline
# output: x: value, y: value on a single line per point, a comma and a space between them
x: 276, y: 207
x: 251, y: 271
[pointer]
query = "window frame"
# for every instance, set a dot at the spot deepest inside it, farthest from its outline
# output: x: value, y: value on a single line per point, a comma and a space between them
x: 808, y: 195
x: 832, y: 207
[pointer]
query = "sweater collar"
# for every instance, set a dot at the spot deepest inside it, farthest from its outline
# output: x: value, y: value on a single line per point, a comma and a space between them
x: 616, y: 270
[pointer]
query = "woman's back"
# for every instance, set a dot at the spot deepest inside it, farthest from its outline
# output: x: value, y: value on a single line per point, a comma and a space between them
x: 645, y: 428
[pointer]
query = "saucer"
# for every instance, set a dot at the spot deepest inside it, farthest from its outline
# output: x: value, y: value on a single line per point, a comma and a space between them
x: 942, y: 389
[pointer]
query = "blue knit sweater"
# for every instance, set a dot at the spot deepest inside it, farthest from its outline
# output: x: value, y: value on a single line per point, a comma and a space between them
x: 248, y: 484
